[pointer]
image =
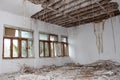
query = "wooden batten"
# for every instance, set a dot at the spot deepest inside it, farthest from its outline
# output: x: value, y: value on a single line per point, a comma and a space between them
x: 69, y: 13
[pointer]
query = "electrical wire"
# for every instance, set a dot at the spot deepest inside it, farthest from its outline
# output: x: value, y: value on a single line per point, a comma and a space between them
x: 24, y: 12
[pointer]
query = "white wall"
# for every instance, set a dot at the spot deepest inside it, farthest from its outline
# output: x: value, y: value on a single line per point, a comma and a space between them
x: 84, y: 42
x: 7, y: 66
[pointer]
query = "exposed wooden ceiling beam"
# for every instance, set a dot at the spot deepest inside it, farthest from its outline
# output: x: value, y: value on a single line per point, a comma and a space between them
x: 61, y: 13
x: 92, y: 18
x: 68, y: 15
x: 80, y: 10
x: 102, y: 7
x: 37, y: 1
x: 64, y: 9
x: 41, y: 13
x: 81, y: 13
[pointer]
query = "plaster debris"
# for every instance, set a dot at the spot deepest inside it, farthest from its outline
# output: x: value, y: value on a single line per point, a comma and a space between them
x: 100, y: 70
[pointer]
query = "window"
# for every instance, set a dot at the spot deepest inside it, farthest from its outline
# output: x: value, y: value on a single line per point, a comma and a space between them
x: 64, y: 46
x: 17, y: 43
x: 47, y: 45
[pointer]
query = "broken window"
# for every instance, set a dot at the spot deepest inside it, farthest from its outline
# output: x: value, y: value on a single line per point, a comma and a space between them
x: 17, y: 43
x: 47, y: 45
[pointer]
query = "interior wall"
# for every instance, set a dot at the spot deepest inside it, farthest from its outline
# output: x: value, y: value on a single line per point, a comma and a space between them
x: 84, y: 41
x: 13, y: 65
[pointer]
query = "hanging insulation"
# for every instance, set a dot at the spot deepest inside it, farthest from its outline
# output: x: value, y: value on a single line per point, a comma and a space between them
x: 113, y: 33
x: 98, y: 31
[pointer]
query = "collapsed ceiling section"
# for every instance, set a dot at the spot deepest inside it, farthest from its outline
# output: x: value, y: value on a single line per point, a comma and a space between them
x: 69, y: 13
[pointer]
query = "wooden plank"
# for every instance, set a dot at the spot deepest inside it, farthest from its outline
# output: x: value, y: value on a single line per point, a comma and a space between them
x: 104, y: 16
x: 40, y: 13
x: 67, y: 15
x: 64, y: 9
x: 80, y: 10
x: 91, y: 12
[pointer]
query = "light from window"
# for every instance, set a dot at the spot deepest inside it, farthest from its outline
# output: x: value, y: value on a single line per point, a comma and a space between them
x: 64, y: 45
x: 64, y: 39
x: 15, y: 48
x: 41, y: 49
x: 7, y: 48
x: 17, y: 44
x: 26, y: 34
x: 24, y: 48
x: 44, y: 37
x: 30, y: 49
x: 47, y: 45
x: 53, y: 38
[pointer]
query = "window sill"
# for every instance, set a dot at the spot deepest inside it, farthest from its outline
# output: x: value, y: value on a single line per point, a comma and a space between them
x: 17, y: 58
x: 55, y: 57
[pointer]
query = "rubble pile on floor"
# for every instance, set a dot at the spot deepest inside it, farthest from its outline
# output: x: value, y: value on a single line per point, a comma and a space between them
x: 100, y: 70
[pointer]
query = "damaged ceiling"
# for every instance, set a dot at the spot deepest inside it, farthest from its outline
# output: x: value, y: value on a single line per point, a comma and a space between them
x: 69, y: 13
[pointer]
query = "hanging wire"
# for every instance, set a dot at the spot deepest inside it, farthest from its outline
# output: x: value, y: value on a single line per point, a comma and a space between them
x: 63, y: 3
x: 45, y: 17
x: 79, y: 21
x: 24, y: 12
x: 31, y: 20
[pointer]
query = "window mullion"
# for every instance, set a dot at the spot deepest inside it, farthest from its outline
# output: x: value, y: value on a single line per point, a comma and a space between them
x: 20, y: 49
x: 63, y: 49
x: 44, y: 48
x: 3, y: 48
x: 11, y: 48
x: 53, y: 49
x: 27, y: 48
x: 49, y: 48
x: 39, y: 48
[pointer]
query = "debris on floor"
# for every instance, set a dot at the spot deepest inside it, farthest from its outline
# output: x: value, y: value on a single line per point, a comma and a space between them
x: 100, y: 70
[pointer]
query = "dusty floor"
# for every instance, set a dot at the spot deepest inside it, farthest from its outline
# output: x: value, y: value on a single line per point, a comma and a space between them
x: 101, y: 70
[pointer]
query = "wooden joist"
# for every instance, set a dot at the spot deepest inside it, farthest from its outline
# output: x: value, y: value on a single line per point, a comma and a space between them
x: 69, y: 13
x: 88, y: 14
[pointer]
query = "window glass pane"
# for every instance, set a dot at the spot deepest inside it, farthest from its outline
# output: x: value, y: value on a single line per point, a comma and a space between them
x: 46, y: 49
x: 7, y: 47
x: 53, y: 38
x: 24, y: 46
x: 62, y: 48
x: 11, y: 32
x: 26, y: 34
x: 30, y: 49
x: 64, y: 39
x: 15, y: 48
x: 43, y: 37
x: 58, y: 49
x: 55, y: 49
x: 52, y: 49
x: 41, y: 49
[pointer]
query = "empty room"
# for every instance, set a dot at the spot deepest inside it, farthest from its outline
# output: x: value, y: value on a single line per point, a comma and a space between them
x: 59, y: 39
